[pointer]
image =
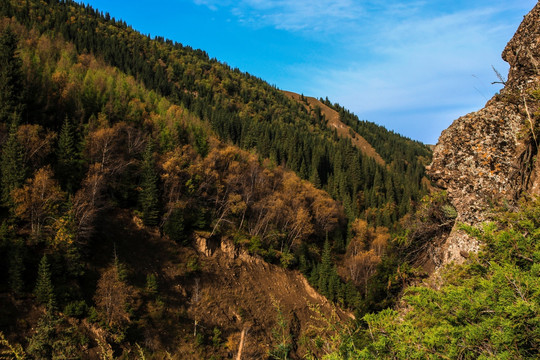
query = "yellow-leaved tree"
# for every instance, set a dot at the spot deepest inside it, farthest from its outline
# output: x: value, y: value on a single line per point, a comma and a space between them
x: 38, y: 200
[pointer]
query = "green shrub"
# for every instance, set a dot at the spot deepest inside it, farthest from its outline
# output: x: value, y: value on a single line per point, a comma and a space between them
x: 216, y: 337
x: 151, y: 284
x: 93, y: 315
x: 77, y: 309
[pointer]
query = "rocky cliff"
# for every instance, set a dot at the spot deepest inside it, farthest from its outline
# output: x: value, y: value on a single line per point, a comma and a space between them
x: 488, y: 157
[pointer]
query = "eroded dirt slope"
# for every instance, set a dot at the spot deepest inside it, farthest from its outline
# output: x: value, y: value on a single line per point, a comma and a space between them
x: 219, y: 286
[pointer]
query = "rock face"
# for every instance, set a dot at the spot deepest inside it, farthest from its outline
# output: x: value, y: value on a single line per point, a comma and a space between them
x: 488, y: 157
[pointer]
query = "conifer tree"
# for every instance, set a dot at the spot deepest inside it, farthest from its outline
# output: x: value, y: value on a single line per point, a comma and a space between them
x: 16, y: 266
x: 325, y: 268
x: 175, y: 226
x: 12, y: 166
x: 44, y: 289
x: 66, y: 157
x: 314, y: 178
x: 41, y: 344
x: 149, y: 196
x: 11, y: 85
x: 326, y: 257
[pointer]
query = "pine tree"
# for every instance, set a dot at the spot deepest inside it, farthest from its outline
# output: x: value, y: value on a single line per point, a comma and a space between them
x: 149, y: 196
x: 11, y: 84
x: 12, y: 166
x: 44, y: 289
x: 314, y: 178
x: 67, y: 157
x: 16, y: 266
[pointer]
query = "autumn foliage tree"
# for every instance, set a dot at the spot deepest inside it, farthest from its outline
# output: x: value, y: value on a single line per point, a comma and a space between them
x: 113, y: 296
x: 38, y: 200
x: 36, y: 142
x: 365, y: 251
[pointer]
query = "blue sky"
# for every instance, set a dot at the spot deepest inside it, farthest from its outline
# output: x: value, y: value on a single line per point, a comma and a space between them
x: 411, y: 66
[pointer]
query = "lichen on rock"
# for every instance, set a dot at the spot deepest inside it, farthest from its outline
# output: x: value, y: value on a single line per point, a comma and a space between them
x: 488, y: 157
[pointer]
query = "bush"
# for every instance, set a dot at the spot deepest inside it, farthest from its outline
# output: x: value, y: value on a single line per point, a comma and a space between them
x: 93, y: 315
x: 151, y: 284
x: 174, y: 226
x: 287, y: 259
x: 216, y: 337
x: 76, y: 309
x: 485, y: 308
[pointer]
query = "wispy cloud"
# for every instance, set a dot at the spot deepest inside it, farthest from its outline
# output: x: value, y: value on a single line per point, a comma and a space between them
x: 420, y: 75
x: 298, y: 15
x: 390, y: 57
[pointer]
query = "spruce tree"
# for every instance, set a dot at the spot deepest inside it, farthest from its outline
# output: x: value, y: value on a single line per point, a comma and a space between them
x: 326, y: 257
x: 11, y: 84
x: 175, y: 226
x: 149, y: 196
x: 66, y: 147
x: 16, y: 266
x: 11, y: 164
x: 44, y: 289
x: 41, y: 344
x: 314, y: 178
x: 67, y: 157
x: 325, y: 268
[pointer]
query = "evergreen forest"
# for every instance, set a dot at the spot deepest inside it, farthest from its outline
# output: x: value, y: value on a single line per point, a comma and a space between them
x: 118, y: 150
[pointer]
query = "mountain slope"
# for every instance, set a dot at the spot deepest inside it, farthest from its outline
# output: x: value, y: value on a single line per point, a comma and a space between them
x: 119, y: 151
x: 104, y: 185
x: 245, y: 110
x: 314, y: 106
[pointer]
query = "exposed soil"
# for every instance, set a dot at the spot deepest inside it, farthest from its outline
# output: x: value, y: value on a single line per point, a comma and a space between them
x: 220, y: 287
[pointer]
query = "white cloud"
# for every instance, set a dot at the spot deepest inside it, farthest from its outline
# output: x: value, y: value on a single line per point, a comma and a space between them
x: 421, y: 73
x: 298, y: 15
x: 395, y: 56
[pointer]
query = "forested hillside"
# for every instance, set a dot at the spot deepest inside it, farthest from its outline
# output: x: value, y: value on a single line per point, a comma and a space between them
x: 118, y: 150
x: 82, y: 191
x: 246, y: 111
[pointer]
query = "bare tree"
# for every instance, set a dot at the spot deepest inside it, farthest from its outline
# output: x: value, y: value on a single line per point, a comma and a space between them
x: 195, y: 299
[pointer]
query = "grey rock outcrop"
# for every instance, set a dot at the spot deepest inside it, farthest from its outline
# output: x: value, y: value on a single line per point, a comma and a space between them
x: 488, y: 157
